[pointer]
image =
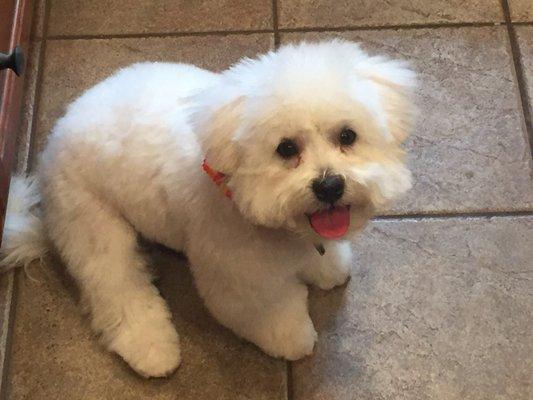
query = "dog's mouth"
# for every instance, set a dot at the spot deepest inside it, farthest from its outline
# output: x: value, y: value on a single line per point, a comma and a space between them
x: 331, y: 223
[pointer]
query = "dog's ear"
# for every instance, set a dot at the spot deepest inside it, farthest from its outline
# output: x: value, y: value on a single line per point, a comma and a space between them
x: 395, y: 82
x: 217, y: 126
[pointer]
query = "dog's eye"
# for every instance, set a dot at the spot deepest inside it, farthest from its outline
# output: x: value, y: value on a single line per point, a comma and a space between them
x: 287, y: 148
x: 347, y: 137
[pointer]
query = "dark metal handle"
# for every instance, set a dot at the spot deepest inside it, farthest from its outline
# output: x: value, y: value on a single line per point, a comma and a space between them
x: 13, y: 61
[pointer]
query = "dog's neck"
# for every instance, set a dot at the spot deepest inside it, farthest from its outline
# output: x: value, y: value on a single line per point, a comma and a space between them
x: 219, y: 179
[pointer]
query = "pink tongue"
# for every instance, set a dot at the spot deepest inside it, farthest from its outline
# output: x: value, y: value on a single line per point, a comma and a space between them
x: 332, y: 223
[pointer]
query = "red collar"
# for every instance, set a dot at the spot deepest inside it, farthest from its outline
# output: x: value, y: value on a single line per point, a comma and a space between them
x: 218, y: 178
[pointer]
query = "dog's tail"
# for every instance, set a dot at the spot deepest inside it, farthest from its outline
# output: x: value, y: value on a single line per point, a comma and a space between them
x: 24, y: 239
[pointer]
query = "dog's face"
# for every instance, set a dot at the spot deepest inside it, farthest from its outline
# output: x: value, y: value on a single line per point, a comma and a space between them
x: 310, y: 136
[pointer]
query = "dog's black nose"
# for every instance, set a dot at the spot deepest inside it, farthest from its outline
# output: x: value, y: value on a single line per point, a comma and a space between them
x: 329, y: 189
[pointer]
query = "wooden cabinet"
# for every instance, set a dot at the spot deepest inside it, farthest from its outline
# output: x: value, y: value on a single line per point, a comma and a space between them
x: 15, y: 23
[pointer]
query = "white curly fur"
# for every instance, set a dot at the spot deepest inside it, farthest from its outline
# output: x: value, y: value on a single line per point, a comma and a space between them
x: 23, y: 239
x: 126, y: 158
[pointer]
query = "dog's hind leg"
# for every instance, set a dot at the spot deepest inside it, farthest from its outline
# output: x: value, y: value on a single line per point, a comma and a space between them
x: 100, y: 250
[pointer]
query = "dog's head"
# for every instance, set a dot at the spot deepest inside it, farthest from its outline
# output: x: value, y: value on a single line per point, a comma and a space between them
x: 309, y: 136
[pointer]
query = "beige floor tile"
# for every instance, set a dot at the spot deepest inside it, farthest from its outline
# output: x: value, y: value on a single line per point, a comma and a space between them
x: 337, y: 13
x: 71, y: 66
x: 525, y: 42
x: 435, y: 309
x: 469, y: 151
x: 521, y: 10
x: 55, y: 356
x: 98, y: 17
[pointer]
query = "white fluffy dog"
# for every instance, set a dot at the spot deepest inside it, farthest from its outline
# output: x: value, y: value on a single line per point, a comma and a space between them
x: 253, y: 173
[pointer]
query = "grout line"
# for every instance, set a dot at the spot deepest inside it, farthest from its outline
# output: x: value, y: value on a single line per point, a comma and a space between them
x: 458, y: 215
x: 519, y: 23
x: 47, y: 7
x: 290, y: 388
x: 275, y: 22
x: 38, y: 86
x: 5, y: 338
x: 159, y: 34
x: 519, y: 72
x: 276, y: 30
x: 391, y: 27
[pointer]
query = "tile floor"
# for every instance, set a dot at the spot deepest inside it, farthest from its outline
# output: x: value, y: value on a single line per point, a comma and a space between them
x: 440, y: 305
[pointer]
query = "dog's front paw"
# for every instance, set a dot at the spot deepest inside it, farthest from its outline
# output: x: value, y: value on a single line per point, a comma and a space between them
x: 333, y: 269
x: 158, y: 360
x: 288, y: 336
x: 331, y: 277
x: 326, y: 276
x: 151, y: 351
